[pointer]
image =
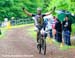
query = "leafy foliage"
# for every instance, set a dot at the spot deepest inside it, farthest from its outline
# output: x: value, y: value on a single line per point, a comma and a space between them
x: 9, y: 8
x: 62, y: 4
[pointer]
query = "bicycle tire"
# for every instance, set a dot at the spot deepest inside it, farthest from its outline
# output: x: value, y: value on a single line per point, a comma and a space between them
x: 39, y: 46
x: 44, y: 46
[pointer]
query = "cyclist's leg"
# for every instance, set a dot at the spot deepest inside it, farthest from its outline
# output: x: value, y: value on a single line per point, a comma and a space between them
x: 44, y: 36
x: 38, y: 36
x: 44, y: 27
x: 38, y: 32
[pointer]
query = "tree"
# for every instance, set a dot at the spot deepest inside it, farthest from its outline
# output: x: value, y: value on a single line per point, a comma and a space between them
x: 62, y: 5
x: 9, y: 8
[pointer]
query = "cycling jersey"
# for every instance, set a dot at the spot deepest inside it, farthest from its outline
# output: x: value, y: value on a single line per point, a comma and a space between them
x: 39, y: 19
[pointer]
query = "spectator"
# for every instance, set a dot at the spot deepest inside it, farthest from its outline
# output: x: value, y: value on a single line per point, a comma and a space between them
x: 58, y: 28
x: 4, y: 24
x: 67, y: 30
x: 48, y: 22
x: 53, y: 26
x: 54, y: 22
x: 12, y: 21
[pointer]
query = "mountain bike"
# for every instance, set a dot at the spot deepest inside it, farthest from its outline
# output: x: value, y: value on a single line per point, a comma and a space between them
x: 41, y: 43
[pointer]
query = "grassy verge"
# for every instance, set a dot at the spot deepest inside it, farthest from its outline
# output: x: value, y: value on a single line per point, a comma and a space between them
x: 5, y: 29
x: 18, y: 26
x: 3, y: 32
x: 33, y: 34
x: 62, y: 47
x: 73, y: 29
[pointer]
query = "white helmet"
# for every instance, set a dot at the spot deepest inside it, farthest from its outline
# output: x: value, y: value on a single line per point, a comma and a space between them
x: 39, y: 9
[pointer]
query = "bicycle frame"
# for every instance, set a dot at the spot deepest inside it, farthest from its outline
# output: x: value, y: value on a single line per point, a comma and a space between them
x: 42, y: 44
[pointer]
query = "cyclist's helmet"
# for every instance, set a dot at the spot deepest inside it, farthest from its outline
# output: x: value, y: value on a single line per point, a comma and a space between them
x: 39, y: 9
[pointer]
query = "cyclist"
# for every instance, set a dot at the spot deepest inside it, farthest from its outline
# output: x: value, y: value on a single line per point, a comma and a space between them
x: 39, y: 18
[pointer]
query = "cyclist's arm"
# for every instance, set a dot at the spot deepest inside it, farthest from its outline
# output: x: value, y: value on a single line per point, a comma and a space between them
x: 26, y: 12
x: 48, y: 13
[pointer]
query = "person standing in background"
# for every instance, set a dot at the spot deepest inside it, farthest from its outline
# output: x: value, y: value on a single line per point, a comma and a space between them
x: 58, y: 28
x: 12, y: 21
x: 66, y: 25
x: 5, y: 22
x: 53, y: 27
x: 48, y: 21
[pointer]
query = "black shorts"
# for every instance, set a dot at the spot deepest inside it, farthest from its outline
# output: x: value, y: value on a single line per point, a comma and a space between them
x: 39, y: 27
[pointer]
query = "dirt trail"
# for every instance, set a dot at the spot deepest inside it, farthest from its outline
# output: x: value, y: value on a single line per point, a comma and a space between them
x: 18, y: 44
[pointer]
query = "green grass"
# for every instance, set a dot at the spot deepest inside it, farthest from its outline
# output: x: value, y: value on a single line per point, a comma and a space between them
x: 73, y: 29
x: 18, y: 26
x: 5, y: 29
x: 3, y: 32
x: 33, y: 34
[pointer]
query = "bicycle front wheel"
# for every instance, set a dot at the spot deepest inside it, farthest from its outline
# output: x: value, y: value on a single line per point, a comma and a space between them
x: 43, y: 46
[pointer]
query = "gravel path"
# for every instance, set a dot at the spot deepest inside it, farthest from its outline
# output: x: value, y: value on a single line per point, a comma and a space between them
x: 18, y: 44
